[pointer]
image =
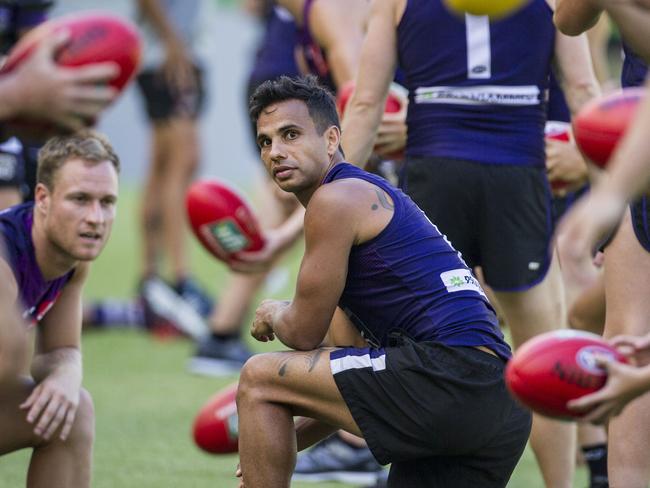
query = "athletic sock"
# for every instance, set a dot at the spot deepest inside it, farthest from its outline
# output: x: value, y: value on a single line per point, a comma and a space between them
x: 596, y: 457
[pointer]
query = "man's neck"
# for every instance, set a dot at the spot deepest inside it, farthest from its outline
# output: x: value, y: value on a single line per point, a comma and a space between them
x: 306, y: 195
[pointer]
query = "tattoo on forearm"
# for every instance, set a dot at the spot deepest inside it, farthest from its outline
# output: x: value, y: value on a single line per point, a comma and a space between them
x: 311, y: 358
x: 383, y: 201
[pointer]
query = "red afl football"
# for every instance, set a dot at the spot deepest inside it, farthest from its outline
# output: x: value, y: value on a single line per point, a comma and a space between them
x: 215, y: 428
x: 397, y: 95
x: 94, y: 38
x: 396, y: 101
x: 221, y: 220
x: 553, y: 368
x: 600, y: 125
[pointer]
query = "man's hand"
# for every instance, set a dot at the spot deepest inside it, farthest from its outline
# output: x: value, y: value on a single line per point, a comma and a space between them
x: 391, y: 135
x: 262, y: 260
x: 265, y: 316
x: 565, y: 164
x: 72, y: 98
x: 624, y: 384
x: 53, y: 403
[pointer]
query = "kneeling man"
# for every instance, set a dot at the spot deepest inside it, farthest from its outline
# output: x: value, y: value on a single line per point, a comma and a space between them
x: 423, y: 382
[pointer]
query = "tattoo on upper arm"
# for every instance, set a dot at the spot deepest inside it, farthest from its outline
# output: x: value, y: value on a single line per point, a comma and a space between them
x: 383, y: 201
x: 311, y: 358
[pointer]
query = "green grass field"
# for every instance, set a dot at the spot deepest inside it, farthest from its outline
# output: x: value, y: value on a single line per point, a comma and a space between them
x: 144, y: 399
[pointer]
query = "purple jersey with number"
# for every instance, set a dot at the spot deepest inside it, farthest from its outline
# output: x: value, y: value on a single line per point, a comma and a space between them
x: 477, y: 88
x: 409, y: 280
x: 36, y: 295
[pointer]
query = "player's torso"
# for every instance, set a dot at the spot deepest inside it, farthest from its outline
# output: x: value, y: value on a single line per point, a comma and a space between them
x: 477, y: 88
x: 408, y: 278
x: 36, y: 295
x: 276, y: 55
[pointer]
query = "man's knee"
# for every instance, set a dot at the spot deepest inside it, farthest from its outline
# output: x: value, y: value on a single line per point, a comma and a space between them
x: 253, y: 379
x: 83, y: 428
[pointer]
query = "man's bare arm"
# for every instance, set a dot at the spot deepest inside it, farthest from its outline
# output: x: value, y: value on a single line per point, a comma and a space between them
x: 13, y: 330
x: 576, y: 72
x: 57, y: 365
x: 573, y: 17
x: 376, y: 70
x: 330, y: 230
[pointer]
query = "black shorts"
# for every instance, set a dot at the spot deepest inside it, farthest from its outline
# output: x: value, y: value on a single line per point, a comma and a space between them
x: 164, y: 102
x: 562, y: 204
x: 441, y: 415
x: 499, y: 217
x: 640, y: 212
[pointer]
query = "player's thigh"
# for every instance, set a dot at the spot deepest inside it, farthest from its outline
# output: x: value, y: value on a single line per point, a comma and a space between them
x: 627, y: 281
x: 17, y: 433
x: 301, y: 380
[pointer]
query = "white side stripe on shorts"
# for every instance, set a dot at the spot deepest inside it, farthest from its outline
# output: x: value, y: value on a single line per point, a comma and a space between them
x: 358, y: 362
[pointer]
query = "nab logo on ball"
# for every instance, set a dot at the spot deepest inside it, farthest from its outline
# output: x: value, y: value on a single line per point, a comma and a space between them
x: 587, y: 356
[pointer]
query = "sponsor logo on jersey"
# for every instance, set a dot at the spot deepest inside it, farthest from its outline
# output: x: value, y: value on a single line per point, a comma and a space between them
x: 479, y: 95
x: 461, y: 280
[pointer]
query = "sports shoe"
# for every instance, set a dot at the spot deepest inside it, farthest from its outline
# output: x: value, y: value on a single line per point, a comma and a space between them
x: 112, y: 313
x: 335, y: 460
x: 219, y: 357
x: 195, y: 296
x: 163, y: 305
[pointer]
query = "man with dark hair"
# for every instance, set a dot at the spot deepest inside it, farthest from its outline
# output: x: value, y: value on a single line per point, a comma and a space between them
x: 475, y: 159
x: 425, y: 347
x: 48, y: 246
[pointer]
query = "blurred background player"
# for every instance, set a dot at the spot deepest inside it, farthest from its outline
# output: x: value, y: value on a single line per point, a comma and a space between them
x: 18, y: 160
x: 48, y: 246
x: 475, y: 133
x: 568, y: 176
x: 49, y: 92
x: 223, y: 351
x: 171, y: 82
x: 627, y: 256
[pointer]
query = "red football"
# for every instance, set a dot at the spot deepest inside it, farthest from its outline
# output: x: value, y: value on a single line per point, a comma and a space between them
x: 215, y: 427
x: 94, y: 37
x: 394, y: 103
x: 553, y: 368
x: 600, y: 124
x: 396, y: 100
x: 221, y: 219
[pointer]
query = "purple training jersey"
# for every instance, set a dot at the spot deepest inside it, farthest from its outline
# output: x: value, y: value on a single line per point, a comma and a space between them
x: 476, y: 88
x: 36, y: 295
x: 409, y: 280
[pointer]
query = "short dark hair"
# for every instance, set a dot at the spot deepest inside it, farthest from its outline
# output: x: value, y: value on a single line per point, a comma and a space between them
x: 319, y: 100
x: 87, y: 144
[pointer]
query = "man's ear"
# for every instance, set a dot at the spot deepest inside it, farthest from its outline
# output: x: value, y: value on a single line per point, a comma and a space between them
x: 41, y: 197
x: 333, y: 139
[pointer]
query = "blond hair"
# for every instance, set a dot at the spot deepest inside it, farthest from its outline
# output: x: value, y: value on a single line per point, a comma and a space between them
x: 87, y: 145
